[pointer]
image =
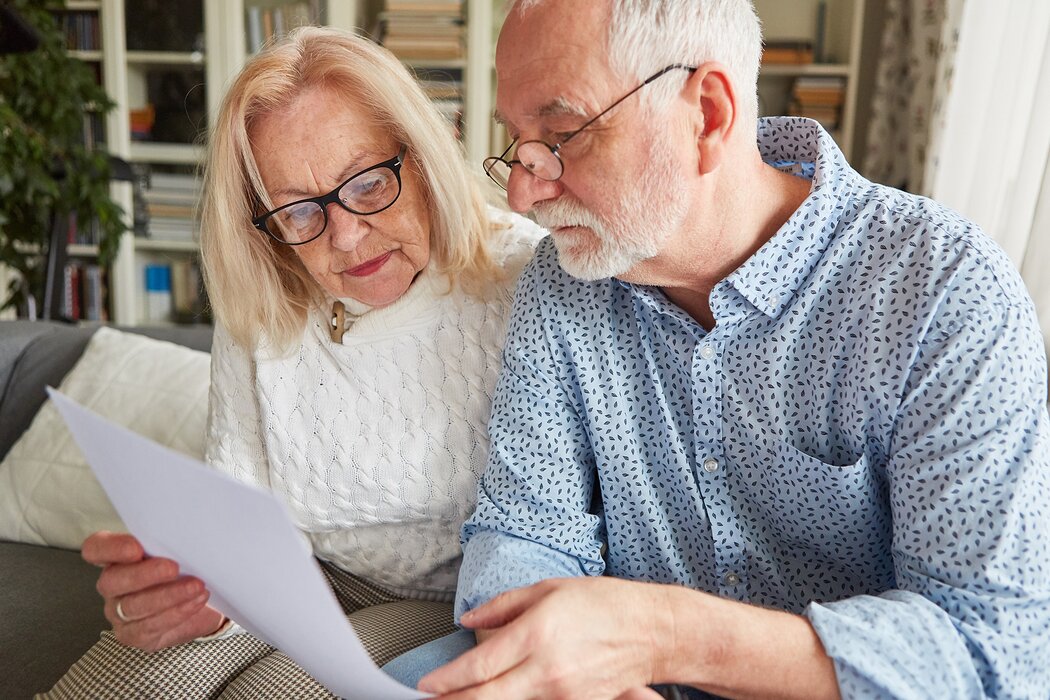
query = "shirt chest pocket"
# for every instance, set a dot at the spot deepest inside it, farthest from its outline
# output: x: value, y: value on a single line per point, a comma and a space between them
x: 833, y: 511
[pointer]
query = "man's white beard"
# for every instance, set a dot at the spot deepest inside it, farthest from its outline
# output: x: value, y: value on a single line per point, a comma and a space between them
x: 634, y: 231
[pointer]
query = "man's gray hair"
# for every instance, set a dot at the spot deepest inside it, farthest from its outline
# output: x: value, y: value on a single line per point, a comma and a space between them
x: 647, y: 35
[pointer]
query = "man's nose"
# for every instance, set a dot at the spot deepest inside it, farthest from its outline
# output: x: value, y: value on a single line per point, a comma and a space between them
x: 525, y: 190
x: 345, y: 229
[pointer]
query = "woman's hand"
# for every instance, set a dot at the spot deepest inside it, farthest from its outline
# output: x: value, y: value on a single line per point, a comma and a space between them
x: 146, y: 600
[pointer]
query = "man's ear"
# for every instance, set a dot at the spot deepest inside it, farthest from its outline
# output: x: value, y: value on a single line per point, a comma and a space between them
x: 711, y: 91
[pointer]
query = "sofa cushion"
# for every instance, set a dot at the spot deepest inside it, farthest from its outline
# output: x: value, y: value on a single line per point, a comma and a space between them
x: 51, y: 615
x: 48, y: 494
x: 33, y: 355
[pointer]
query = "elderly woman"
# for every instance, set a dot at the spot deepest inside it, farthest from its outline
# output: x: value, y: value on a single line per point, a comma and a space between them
x: 360, y: 288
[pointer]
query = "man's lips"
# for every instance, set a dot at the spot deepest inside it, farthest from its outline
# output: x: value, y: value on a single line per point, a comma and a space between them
x: 367, y: 268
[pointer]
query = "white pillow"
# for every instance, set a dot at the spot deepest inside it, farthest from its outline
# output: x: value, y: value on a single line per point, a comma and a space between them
x: 48, y: 493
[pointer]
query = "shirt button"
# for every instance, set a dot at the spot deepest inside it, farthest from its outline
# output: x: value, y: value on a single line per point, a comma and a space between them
x: 772, y: 301
x: 707, y: 352
x: 710, y: 465
x: 731, y: 579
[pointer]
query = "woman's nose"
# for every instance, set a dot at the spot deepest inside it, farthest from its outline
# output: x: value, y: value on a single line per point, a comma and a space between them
x: 345, y: 229
x: 525, y: 190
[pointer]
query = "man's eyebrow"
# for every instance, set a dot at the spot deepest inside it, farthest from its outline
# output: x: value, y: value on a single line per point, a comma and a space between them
x: 557, y: 107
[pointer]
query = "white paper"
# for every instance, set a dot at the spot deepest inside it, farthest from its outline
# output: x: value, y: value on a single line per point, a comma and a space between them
x: 240, y: 541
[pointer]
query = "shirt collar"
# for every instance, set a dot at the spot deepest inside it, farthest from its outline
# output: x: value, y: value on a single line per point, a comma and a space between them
x: 771, y: 277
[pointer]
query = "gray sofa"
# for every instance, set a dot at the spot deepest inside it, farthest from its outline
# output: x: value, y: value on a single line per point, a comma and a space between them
x: 49, y: 609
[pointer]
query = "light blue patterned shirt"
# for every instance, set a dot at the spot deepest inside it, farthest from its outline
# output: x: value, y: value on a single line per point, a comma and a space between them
x: 862, y: 438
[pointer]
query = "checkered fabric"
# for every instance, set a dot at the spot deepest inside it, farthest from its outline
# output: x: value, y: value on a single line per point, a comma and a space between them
x: 241, y: 667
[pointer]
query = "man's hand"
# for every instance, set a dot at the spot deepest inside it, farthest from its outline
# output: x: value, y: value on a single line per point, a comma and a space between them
x: 160, y: 608
x: 563, y: 638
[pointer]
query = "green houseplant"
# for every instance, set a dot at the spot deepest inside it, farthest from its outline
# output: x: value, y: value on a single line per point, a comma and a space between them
x: 45, y: 168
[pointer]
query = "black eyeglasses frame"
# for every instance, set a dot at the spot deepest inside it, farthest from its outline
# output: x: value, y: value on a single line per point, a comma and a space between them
x: 393, y: 164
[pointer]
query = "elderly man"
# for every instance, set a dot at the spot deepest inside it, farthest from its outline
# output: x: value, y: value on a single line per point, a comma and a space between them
x: 795, y: 418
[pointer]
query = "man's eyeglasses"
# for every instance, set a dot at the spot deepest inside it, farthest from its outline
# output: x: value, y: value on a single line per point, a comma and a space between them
x: 368, y: 192
x: 542, y: 159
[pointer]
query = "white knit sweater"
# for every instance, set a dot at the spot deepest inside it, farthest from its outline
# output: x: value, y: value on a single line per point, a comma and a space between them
x: 376, y: 445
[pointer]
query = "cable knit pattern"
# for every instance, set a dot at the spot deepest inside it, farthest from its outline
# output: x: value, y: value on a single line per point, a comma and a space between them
x: 376, y: 445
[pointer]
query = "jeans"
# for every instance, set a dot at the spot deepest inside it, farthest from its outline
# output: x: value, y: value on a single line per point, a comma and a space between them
x: 411, y: 666
x: 408, y: 668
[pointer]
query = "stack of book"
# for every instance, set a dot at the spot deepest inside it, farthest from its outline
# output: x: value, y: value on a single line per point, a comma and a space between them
x: 83, y: 292
x: 267, y: 24
x: 82, y: 235
x: 171, y: 206
x: 141, y: 122
x: 81, y: 30
x: 819, y: 98
x: 787, y: 52
x: 423, y: 29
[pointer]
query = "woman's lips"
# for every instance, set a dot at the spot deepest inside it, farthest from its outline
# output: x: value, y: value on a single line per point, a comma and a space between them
x: 370, y: 267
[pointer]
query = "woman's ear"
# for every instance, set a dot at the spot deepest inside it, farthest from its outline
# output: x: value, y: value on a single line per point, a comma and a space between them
x: 711, y: 91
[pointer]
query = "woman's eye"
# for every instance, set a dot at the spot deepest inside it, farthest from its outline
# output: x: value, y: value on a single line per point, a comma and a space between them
x: 369, y: 184
x: 301, y: 214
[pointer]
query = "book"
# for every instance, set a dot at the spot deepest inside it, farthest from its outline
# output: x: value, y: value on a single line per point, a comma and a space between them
x: 820, y: 91
x: 423, y: 49
x: 787, y: 52
x: 254, y: 28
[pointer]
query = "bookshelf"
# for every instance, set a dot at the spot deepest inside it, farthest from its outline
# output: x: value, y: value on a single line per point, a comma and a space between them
x: 165, y: 65
x: 813, y: 63
x: 83, y: 279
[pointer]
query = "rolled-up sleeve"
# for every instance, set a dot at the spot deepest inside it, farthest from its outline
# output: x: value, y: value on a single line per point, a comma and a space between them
x: 533, y: 520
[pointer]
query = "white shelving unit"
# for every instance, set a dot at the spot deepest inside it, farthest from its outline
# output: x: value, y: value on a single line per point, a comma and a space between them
x: 219, y: 56
x: 842, y: 43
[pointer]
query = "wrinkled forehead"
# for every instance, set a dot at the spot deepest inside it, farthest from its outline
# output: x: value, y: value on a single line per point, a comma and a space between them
x: 552, y: 59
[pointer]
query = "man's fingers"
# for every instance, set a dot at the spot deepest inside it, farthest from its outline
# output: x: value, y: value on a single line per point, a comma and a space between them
x: 104, y: 548
x: 515, y: 683
x: 505, y: 649
x: 503, y: 608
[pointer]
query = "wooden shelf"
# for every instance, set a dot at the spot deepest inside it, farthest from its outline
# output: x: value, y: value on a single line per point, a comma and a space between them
x: 167, y: 153
x: 435, y: 62
x: 165, y: 58
x: 797, y: 70
x: 82, y: 250
x: 156, y: 245
x: 87, y: 56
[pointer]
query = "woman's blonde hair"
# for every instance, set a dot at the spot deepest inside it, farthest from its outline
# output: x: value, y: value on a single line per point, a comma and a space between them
x: 257, y: 287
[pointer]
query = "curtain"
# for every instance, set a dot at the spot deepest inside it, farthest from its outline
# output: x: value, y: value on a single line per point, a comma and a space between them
x: 961, y: 113
x: 911, y: 79
x: 990, y: 148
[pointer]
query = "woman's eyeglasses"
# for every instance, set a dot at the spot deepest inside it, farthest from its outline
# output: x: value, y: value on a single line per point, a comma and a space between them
x: 368, y: 192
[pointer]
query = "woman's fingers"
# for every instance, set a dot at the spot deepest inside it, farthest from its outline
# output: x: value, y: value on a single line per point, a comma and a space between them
x: 150, y: 605
x: 124, y: 579
x: 104, y: 548
x: 180, y: 623
x: 141, y: 604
